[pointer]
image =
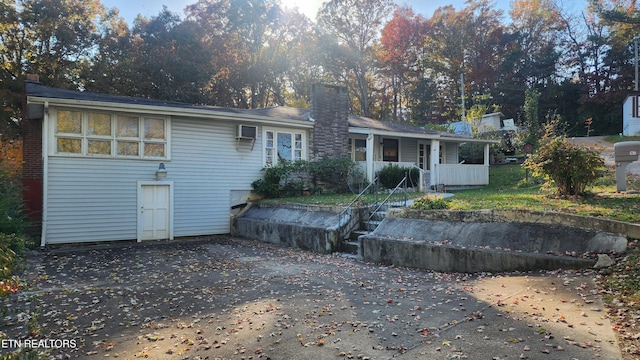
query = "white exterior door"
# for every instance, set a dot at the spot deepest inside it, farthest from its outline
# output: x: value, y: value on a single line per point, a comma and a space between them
x: 154, y: 218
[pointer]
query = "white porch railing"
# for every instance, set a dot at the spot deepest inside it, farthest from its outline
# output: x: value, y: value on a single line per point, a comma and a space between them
x: 462, y: 174
x: 447, y: 174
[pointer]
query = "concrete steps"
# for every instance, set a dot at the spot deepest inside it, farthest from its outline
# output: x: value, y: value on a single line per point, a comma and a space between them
x: 351, y: 246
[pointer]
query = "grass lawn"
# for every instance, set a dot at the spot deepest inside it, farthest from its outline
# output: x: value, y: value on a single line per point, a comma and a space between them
x: 509, y: 189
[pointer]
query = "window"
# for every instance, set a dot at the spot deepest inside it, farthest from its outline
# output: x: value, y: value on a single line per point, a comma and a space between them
x: 69, y: 132
x: 390, y: 150
x: 424, y: 153
x: 358, y: 149
x: 105, y: 134
x: 283, y: 146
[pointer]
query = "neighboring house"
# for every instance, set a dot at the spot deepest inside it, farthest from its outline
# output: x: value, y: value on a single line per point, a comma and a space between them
x: 631, y: 115
x: 460, y: 128
x: 495, y: 122
x: 489, y: 122
x: 104, y: 168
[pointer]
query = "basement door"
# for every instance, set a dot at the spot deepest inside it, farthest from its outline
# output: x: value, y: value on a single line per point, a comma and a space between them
x: 155, y: 215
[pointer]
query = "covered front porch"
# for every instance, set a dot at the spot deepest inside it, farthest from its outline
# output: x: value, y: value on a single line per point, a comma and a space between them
x: 437, y: 156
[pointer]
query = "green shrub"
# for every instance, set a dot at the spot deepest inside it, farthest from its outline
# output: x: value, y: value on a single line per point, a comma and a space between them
x: 266, y: 189
x: 295, y: 178
x: 12, y: 219
x: 335, y: 172
x: 391, y: 175
x: 12, y: 226
x: 269, y: 185
x: 281, y: 179
x: 567, y: 167
x: 430, y: 202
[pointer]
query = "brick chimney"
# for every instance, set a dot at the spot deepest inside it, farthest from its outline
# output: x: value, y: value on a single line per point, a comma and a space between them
x: 33, y: 77
x: 330, y: 111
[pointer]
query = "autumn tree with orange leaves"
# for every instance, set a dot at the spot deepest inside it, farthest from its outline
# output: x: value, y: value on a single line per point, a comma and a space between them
x: 402, y: 45
x: 11, y: 155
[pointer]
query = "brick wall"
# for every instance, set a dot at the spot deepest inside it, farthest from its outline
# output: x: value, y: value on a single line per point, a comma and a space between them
x: 330, y: 111
x: 32, y: 171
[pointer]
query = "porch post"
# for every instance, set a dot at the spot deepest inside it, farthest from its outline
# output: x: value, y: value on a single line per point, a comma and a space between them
x: 486, y: 154
x: 370, y: 170
x: 486, y: 162
x: 434, y: 161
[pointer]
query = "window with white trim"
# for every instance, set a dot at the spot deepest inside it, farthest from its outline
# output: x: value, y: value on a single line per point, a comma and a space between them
x: 283, y: 145
x: 95, y: 133
x: 358, y: 149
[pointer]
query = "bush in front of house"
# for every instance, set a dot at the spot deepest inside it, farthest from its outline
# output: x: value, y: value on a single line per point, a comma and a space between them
x: 391, y: 175
x: 277, y: 180
x: 335, y: 173
x: 295, y: 178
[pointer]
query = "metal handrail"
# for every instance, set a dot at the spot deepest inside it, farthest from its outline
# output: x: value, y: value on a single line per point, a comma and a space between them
x: 350, y: 205
x: 403, y: 183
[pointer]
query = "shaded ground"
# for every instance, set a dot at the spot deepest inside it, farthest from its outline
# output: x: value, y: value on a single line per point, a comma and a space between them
x: 224, y: 298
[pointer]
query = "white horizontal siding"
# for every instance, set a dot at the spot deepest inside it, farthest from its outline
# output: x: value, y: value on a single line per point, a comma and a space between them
x: 95, y: 199
x: 207, y: 164
x: 409, y: 150
x: 92, y: 199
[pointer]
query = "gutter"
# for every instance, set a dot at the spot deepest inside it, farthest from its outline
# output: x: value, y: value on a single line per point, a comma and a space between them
x: 167, y: 110
x: 443, y: 137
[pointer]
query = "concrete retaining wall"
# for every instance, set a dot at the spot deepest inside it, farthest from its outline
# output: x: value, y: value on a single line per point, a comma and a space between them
x: 464, y: 246
x: 631, y: 231
x: 424, y: 255
x: 459, y: 241
x: 309, y: 227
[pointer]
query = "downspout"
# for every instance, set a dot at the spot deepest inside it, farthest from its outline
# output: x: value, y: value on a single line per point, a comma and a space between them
x: 45, y: 173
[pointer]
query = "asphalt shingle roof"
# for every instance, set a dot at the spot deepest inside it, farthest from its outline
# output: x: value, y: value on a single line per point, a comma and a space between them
x: 36, y: 89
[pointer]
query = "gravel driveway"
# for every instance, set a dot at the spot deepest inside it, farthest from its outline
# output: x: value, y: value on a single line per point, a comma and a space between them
x: 226, y: 298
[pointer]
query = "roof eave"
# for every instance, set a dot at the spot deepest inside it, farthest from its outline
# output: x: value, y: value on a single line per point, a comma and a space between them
x: 168, y: 110
x: 452, y: 137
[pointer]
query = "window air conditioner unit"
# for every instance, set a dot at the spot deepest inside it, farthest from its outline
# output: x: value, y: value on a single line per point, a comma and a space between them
x: 247, y: 132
